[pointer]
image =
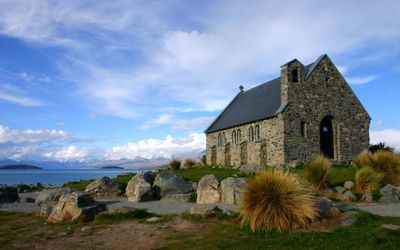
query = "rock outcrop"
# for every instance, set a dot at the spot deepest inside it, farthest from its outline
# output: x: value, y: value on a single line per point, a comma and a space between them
x: 77, y: 206
x: 139, y: 188
x: 8, y: 194
x: 390, y: 194
x: 232, y: 190
x: 103, y: 188
x: 208, y: 190
x: 167, y: 183
x: 48, y: 198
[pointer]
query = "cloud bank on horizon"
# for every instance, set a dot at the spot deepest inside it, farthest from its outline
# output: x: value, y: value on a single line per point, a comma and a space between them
x: 140, y: 78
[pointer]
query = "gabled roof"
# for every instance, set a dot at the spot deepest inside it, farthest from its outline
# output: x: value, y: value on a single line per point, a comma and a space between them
x: 258, y: 103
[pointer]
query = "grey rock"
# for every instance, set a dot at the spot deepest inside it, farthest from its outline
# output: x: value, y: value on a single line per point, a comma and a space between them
x: 48, y: 198
x: 232, y: 190
x: 390, y: 194
x: 139, y: 188
x: 340, y: 189
x: 77, y: 206
x: 324, y: 204
x: 341, y: 206
x: 154, y: 219
x: 348, y: 222
x: 348, y: 185
x: 348, y: 195
x: 177, y: 197
x: 103, y: 188
x: 8, y: 194
x: 391, y: 226
x: 250, y: 169
x: 208, y: 190
x: 367, y: 197
x: 170, y: 183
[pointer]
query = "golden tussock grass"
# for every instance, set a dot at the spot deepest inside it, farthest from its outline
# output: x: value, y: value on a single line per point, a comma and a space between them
x: 317, y: 172
x: 278, y: 200
x: 367, y: 179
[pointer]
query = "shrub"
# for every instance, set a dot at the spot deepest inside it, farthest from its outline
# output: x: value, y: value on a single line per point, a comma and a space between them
x: 189, y: 163
x: 364, y: 159
x: 367, y: 179
x: 317, y: 172
x: 380, y: 146
x: 276, y: 200
x: 175, y: 164
x: 388, y: 164
x: 204, y: 160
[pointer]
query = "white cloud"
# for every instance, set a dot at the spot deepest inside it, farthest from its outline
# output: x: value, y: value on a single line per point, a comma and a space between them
x: 16, y: 136
x: 26, y: 76
x: 71, y: 153
x: 159, y: 148
x: 390, y: 137
x: 161, y: 120
x: 192, y: 123
x: 361, y: 80
x: 10, y: 94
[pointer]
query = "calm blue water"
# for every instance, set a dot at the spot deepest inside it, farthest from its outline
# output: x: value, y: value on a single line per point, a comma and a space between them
x: 58, y: 176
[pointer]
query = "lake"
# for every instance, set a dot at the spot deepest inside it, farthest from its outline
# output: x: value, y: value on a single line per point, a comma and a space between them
x: 59, y: 176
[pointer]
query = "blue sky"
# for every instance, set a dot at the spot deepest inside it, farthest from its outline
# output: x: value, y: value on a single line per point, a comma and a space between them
x: 86, y: 80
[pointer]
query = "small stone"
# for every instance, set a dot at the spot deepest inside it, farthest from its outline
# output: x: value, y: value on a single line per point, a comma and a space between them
x: 340, y: 189
x: 324, y: 205
x: 85, y: 228
x: 367, y: 198
x: 348, y: 195
x: 349, y: 185
x: 391, y: 226
x: 348, y: 222
x: 154, y: 219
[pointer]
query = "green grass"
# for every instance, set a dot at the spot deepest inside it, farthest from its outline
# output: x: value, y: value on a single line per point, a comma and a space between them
x: 195, y: 173
x: 82, y: 184
x: 339, y: 174
x: 366, y: 233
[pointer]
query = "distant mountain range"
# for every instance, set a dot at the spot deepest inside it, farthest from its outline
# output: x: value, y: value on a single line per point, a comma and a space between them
x: 18, y: 166
x: 137, y: 162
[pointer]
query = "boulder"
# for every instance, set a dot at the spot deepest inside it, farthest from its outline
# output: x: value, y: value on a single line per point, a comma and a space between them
x: 208, y: 190
x: 77, y: 206
x: 48, y: 198
x: 250, y: 169
x: 367, y: 197
x: 324, y: 204
x: 390, y: 194
x: 340, y: 189
x: 8, y: 194
x: 103, y: 188
x: 139, y: 188
x: 232, y: 190
x: 348, y: 196
x: 170, y: 183
x: 177, y: 197
x: 348, y: 185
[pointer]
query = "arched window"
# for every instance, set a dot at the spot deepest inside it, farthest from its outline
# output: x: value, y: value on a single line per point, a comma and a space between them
x: 219, y: 140
x: 295, y: 75
x: 223, y: 138
x: 239, y: 136
x: 257, y: 134
x: 234, y: 137
x: 251, y: 134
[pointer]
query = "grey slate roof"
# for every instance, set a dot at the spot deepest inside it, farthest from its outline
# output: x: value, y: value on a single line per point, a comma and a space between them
x: 258, y: 103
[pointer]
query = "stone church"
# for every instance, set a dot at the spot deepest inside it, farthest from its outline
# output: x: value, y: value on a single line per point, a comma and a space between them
x: 307, y: 111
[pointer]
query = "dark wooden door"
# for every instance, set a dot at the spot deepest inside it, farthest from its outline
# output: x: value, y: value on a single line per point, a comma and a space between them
x: 326, y: 136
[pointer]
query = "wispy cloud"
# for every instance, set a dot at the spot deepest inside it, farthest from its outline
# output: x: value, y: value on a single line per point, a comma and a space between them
x: 192, y: 123
x: 161, y: 120
x: 361, y: 80
x: 10, y: 94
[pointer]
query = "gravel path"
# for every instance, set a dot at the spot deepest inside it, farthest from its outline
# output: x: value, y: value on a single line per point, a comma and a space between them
x: 380, y: 209
x: 162, y: 207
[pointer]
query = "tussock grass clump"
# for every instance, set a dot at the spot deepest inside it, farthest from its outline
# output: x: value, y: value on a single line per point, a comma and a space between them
x: 317, y: 172
x: 275, y: 199
x: 189, y: 163
x: 367, y: 179
x: 175, y: 164
x: 364, y: 159
x: 389, y: 164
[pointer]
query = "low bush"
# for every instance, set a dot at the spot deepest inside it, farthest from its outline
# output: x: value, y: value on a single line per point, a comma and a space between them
x: 175, y: 164
x: 317, y: 172
x: 275, y: 199
x: 364, y: 159
x: 189, y: 163
x: 367, y: 179
x: 380, y: 146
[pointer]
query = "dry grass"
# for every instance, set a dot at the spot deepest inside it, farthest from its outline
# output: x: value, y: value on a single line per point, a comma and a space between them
x: 367, y: 179
x: 277, y: 200
x: 189, y: 163
x: 385, y: 162
x: 175, y: 164
x: 317, y: 172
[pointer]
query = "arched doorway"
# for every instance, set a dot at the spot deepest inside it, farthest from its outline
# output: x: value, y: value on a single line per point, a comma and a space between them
x: 326, y: 137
